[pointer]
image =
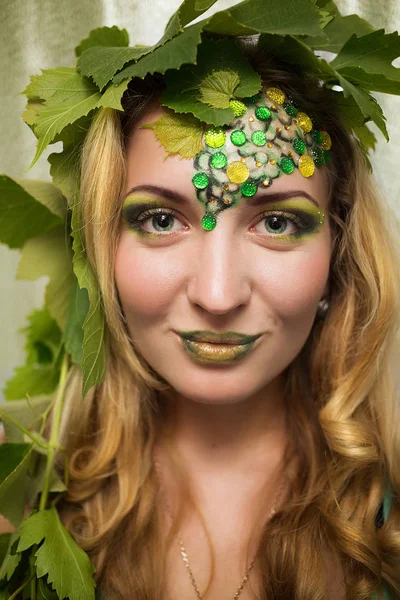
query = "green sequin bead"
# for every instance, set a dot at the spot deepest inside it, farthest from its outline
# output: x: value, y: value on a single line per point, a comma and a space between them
x: 318, y: 156
x: 316, y: 136
x: 238, y: 108
x: 248, y: 188
x: 208, y: 222
x: 327, y: 156
x: 263, y: 113
x: 215, y: 137
x: 238, y: 137
x: 219, y: 160
x: 287, y: 165
x: 299, y: 146
x: 290, y: 109
x: 200, y: 181
x: 259, y: 138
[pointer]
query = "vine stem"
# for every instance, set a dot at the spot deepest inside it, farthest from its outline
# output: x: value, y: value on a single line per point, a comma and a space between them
x: 55, y: 429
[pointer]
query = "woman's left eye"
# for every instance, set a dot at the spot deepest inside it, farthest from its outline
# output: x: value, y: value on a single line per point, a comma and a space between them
x: 276, y: 222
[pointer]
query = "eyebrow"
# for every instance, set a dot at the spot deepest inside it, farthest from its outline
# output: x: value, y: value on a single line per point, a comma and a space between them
x: 252, y: 201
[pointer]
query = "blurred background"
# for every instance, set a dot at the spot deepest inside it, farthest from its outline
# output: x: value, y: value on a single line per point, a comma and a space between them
x: 42, y: 34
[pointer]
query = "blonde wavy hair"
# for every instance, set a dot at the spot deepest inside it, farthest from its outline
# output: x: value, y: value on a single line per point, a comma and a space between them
x: 343, y: 411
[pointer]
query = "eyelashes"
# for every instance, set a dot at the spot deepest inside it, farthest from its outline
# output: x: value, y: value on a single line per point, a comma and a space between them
x: 276, y: 220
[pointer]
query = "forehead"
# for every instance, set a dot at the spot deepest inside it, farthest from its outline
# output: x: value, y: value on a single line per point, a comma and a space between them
x: 148, y: 164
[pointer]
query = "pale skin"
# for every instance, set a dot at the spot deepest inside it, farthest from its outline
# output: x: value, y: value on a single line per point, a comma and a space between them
x: 231, y: 428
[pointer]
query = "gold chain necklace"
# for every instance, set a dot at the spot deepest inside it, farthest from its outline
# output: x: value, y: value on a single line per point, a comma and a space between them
x: 184, y: 553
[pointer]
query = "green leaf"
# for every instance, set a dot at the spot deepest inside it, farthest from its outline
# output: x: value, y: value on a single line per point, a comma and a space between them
x: 32, y: 380
x: 44, y: 592
x: 53, y: 119
x: 285, y: 17
x: 11, y: 560
x: 223, y: 23
x: 62, y: 84
x: 217, y: 89
x: 67, y: 566
x: 47, y: 194
x: 203, y: 5
x: 338, y: 32
x: 31, y: 113
x: 26, y: 414
x: 182, y: 49
x: 43, y: 337
x: 102, y: 63
x: 221, y: 55
x: 50, y: 254
x: 113, y: 94
x: 373, y: 53
x: 366, y: 137
x: 12, y: 490
x: 21, y: 215
x: 73, y: 334
x: 103, y: 36
x: 4, y: 544
x: 180, y: 134
x: 371, y: 81
x: 10, y: 457
x: 93, y: 355
x: 367, y: 104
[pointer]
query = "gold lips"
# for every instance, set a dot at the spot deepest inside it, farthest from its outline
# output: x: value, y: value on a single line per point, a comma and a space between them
x: 211, y: 352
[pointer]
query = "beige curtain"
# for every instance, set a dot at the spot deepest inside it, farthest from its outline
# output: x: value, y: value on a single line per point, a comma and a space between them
x: 39, y: 34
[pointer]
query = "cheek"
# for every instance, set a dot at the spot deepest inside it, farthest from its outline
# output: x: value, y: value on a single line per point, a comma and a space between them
x: 145, y: 285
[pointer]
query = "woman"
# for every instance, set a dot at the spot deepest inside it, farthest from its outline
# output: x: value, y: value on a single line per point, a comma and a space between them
x: 244, y: 435
x: 297, y: 424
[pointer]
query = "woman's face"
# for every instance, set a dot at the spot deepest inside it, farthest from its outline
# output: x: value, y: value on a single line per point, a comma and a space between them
x: 250, y: 274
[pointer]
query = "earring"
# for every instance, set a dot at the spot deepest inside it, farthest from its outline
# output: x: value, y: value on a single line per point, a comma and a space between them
x: 323, y: 306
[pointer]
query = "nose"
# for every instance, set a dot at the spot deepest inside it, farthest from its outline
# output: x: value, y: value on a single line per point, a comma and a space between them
x: 219, y: 275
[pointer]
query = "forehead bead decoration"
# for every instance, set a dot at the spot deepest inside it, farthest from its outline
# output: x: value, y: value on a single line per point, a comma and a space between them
x: 271, y: 131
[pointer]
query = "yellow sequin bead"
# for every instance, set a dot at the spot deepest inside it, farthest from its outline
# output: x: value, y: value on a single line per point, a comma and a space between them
x: 272, y: 161
x: 326, y: 140
x: 237, y: 172
x: 226, y: 187
x: 226, y: 201
x: 258, y: 164
x: 304, y: 122
x: 243, y: 160
x: 251, y: 119
x: 306, y: 165
x: 275, y: 95
x: 269, y: 145
x: 278, y: 129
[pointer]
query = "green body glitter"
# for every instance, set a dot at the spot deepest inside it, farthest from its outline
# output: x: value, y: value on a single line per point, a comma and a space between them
x: 316, y: 136
x: 219, y: 160
x: 200, y: 181
x: 263, y: 113
x: 318, y: 156
x: 248, y: 188
x: 259, y: 138
x: 238, y: 137
x: 287, y: 165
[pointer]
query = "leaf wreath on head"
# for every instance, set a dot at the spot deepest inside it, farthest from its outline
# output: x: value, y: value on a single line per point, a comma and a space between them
x: 207, y: 79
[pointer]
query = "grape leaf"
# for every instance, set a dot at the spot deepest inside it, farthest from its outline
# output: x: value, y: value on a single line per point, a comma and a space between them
x: 103, y: 36
x: 93, y: 356
x: 371, y: 81
x: 367, y: 104
x: 366, y: 137
x: 113, y: 94
x: 47, y: 194
x: 373, y: 53
x: 43, y: 337
x: 101, y: 63
x: 217, y: 88
x: 22, y: 216
x: 12, y: 489
x: 4, y: 545
x: 25, y: 413
x: 11, y: 560
x: 338, y: 32
x: 62, y: 84
x: 67, y: 566
x: 50, y: 254
x: 10, y: 457
x: 180, y: 134
x: 203, y: 5
x: 73, y: 334
x: 182, y: 49
x: 224, y: 24
x: 285, y: 17
x: 31, y: 379
x: 213, y: 55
